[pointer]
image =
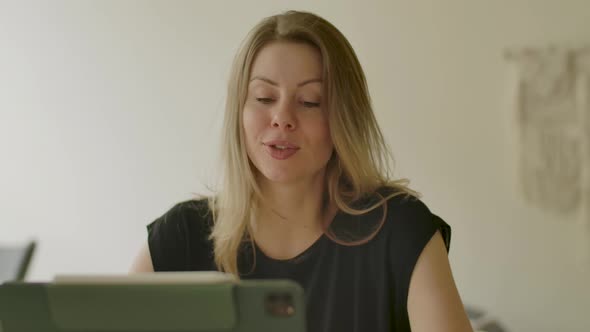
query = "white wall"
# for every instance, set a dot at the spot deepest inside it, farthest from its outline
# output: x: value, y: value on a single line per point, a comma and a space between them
x: 110, y: 113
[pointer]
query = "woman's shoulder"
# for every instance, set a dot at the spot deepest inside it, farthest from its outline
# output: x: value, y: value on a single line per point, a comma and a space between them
x: 189, y: 210
x: 179, y: 238
x: 192, y: 217
x: 409, y: 221
x: 403, y: 219
x: 408, y: 227
x: 406, y: 208
x: 399, y: 206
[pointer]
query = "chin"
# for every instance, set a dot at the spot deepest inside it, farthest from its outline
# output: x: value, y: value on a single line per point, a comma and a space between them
x: 286, y: 173
x: 280, y: 176
x: 285, y: 176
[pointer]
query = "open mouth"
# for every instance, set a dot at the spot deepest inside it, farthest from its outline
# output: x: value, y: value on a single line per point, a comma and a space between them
x: 281, y: 151
x: 280, y: 147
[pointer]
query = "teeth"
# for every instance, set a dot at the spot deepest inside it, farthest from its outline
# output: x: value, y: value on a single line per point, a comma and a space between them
x: 280, y: 147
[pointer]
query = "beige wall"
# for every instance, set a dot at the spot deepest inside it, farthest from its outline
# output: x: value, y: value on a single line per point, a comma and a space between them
x: 110, y: 112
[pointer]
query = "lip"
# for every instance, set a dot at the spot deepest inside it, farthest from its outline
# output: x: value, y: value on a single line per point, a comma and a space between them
x: 289, y: 151
x: 284, y: 143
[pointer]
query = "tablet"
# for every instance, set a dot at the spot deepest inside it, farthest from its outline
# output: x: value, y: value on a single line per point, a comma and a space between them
x: 152, y: 302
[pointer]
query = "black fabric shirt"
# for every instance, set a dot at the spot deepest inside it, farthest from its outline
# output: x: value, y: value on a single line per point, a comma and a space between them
x: 348, y: 288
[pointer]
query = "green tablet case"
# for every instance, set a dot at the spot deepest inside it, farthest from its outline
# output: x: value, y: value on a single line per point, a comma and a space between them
x: 242, y: 306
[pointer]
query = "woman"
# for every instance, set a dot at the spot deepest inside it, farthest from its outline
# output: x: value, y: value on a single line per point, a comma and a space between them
x: 306, y: 193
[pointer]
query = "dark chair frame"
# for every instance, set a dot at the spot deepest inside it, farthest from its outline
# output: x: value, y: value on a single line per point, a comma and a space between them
x: 23, y: 267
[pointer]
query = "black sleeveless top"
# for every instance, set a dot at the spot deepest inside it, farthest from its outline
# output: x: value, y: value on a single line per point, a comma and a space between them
x: 348, y: 288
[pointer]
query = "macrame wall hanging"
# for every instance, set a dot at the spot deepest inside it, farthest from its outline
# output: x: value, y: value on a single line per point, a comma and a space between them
x: 552, y: 116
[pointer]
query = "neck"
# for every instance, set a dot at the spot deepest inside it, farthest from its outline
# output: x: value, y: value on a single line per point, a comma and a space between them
x: 293, y: 205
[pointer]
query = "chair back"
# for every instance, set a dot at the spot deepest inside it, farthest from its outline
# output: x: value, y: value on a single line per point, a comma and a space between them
x: 15, y: 261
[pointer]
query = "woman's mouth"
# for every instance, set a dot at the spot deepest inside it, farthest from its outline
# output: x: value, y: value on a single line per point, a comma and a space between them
x: 281, y: 150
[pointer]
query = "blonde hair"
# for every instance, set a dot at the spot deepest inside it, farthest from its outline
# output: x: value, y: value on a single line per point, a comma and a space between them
x: 361, y: 161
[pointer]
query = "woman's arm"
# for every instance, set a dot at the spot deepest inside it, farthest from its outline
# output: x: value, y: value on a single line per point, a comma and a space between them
x: 143, y: 261
x: 434, y: 304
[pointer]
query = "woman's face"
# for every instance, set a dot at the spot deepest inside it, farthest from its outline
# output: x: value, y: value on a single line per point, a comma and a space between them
x: 285, y: 123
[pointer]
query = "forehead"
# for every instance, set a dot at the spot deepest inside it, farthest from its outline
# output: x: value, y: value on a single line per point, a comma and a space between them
x: 287, y: 62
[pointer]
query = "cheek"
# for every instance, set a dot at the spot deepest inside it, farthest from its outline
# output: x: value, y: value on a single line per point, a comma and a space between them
x: 320, y: 133
x: 253, y: 123
x: 324, y: 130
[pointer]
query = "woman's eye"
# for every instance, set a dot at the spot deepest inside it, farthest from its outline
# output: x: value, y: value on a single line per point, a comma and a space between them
x: 264, y: 100
x: 310, y: 104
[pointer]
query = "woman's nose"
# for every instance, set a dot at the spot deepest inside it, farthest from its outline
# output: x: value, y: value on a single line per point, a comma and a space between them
x: 283, y: 117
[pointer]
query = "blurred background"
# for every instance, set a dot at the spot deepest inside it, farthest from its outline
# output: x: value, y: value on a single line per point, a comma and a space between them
x: 110, y: 113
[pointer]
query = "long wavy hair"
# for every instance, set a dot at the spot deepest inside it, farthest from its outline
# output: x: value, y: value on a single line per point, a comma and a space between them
x: 361, y: 162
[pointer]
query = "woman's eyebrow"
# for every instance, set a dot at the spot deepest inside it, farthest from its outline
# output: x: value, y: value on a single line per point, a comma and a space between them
x: 271, y: 82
